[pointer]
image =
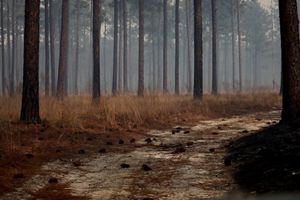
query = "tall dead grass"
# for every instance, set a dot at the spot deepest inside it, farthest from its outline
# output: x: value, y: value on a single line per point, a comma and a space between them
x: 130, y: 111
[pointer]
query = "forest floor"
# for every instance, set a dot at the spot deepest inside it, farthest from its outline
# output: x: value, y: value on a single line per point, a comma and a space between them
x: 204, y: 157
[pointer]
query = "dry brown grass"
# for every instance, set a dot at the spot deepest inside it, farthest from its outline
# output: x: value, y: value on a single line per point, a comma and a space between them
x: 68, y: 125
x: 128, y: 111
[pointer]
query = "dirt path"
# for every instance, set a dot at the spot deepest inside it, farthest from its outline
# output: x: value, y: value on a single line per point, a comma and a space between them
x: 188, y: 164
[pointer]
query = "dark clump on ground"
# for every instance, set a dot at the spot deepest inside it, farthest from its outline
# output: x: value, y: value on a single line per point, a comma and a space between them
x: 268, y: 161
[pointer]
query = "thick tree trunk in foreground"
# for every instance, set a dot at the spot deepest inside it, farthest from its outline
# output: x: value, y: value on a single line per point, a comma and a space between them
x: 141, y: 49
x: 115, y: 56
x: 290, y: 60
x: 47, y: 69
x: 177, y: 47
x: 96, y: 50
x: 63, y: 54
x: 198, y: 59
x: 30, y: 97
x: 165, y: 48
x: 214, y: 48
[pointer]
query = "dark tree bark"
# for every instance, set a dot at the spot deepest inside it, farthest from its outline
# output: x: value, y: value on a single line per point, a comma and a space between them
x: 52, y: 47
x: 13, y: 61
x: 125, y: 40
x: 120, y: 49
x: 47, y: 64
x: 30, y: 97
x: 153, y: 51
x: 214, y: 48
x: 96, y: 50
x: 290, y: 60
x: 63, y: 54
x: 165, y: 48
x: 8, y: 37
x: 188, y: 30
x: 104, y: 55
x: 233, y: 44
x: 239, y: 45
x: 115, y: 56
x: 3, y: 50
x: 77, y: 47
x: 177, y: 47
x: 141, y: 49
x: 198, y: 58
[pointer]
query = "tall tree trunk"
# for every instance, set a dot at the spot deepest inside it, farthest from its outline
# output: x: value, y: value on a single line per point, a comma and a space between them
x: 214, y: 48
x: 115, y: 56
x: 8, y: 37
x: 47, y: 69
x: 159, y: 66
x: 198, y: 58
x: 153, y: 51
x: 233, y: 44
x: 141, y: 49
x: 188, y: 30
x: 30, y: 96
x: 165, y: 48
x: 52, y: 47
x: 13, y: 61
x: 240, y: 45
x: 177, y: 47
x: 96, y: 50
x: 290, y: 60
x: 77, y: 46
x: 3, y: 50
x: 125, y: 40
x: 63, y: 54
x: 104, y: 55
x: 120, y: 50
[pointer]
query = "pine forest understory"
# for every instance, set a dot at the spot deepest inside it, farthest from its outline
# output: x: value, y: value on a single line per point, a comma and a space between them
x: 149, y: 99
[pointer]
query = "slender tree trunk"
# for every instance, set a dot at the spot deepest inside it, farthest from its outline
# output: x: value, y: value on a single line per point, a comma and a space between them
x: 3, y: 50
x: 47, y: 69
x: 8, y: 36
x: 177, y: 47
x: 214, y: 48
x: 13, y: 61
x: 198, y: 58
x: 233, y: 44
x: 77, y: 45
x: 141, y: 49
x: 153, y: 52
x: 125, y: 38
x: 188, y: 29
x: 120, y: 50
x: 115, y: 56
x: 63, y: 54
x: 130, y: 55
x: 240, y: 45
x: 165, y: 48
x: 96, y: 50
x: 159, y: 66
x: 104, y: 56
x: 290, y: 60
x: 30, y: 97
x: 52, y: 47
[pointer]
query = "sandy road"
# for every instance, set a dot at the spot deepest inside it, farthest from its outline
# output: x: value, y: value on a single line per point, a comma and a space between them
x: 186, y: 165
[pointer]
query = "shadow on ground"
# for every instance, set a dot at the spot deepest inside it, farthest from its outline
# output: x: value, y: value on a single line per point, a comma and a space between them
x: 268, y: 161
